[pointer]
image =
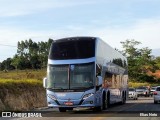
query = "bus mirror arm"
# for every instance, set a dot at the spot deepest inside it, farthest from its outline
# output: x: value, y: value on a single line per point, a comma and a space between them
x: 45, y: 82
x: 99, y: 80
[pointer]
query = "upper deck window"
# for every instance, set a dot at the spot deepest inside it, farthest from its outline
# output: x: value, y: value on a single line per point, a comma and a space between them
x: 75, y: 48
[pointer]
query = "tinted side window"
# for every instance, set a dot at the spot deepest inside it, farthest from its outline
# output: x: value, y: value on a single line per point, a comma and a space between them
x: 72, y: 49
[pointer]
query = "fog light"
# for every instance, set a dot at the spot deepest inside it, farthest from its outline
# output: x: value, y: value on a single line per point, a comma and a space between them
x: 91, y: 102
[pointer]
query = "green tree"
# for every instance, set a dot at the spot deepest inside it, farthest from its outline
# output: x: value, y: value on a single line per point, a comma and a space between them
x: 6, y: 64
x: 132, y: 53
x: 29, y: 55
x: 157, y: 62
x: 130, y: 49
x: 15, y: 61
x: 145, y: 60
x: 139, y: 60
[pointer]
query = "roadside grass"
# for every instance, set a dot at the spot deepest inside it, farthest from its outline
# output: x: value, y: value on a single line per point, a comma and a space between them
x: 11, y: 82
x: 135, y: 84
x: 23, y: 74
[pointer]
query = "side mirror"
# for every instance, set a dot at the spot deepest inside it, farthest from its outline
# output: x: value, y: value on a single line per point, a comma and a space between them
x: 45, y: 82
x: 99, y: 81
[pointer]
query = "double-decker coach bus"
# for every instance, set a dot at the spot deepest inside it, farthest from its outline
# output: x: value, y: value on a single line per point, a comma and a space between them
x: 85, y: 72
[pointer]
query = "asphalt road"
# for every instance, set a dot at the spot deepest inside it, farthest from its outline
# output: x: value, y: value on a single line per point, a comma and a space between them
x: 141, y: 109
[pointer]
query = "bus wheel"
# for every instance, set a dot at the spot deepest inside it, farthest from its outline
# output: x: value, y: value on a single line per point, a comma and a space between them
x: 108, y: 100
x: 62, y: 109
x: 123, y: 99
x: 103, y: 105
x: 104, y: 102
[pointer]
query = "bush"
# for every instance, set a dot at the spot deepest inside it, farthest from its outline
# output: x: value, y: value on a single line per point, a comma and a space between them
x: 136, y: 84
x: 146, y: 78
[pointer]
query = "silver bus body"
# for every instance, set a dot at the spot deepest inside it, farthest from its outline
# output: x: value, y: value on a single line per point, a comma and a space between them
x: 106, y: 68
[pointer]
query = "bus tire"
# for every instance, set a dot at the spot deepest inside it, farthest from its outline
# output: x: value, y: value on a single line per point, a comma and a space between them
x: 123, y: 99
x: 108, y: 100
x: 104, y: 102
x: 103, y: 105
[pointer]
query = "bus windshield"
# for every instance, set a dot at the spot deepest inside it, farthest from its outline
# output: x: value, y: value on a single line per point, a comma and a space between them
x: 77, y: 76
x: 72, y: 49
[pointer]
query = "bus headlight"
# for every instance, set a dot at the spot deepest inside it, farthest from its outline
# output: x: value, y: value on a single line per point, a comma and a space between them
x: 52, y: 97
x: 87, y: 96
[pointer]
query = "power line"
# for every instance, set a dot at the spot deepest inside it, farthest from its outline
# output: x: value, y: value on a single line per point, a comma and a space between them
x: 7, y: 45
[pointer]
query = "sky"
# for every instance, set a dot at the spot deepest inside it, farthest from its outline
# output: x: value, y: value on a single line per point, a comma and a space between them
x: 111, y: 20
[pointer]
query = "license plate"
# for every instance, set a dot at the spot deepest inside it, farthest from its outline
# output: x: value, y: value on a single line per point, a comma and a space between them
x: 68, y: 103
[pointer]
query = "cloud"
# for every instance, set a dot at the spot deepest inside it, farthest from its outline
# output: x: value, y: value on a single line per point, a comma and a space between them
x: 145, y: 30
x: 24, y: 7
x: 7, y: 52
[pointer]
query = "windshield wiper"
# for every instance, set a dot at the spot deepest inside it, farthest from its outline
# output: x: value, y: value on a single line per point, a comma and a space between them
x: 79, y: 87
x: 56, y: 88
